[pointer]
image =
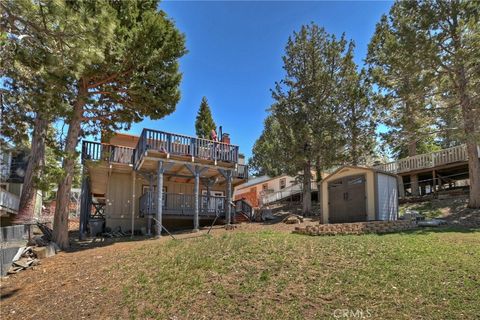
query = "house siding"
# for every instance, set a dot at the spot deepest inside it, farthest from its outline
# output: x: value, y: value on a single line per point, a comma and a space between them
x: 119, y: 199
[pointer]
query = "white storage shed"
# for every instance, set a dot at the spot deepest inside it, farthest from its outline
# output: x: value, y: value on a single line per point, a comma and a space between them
x: 354, y: 194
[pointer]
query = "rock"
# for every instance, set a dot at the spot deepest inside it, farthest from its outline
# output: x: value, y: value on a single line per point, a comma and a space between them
x: 40, y: 252
x: 292, y: 220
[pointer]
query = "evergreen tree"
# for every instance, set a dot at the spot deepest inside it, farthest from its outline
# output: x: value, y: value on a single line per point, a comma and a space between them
x: 269, y: 156
x: 303, y: 130
x: 454, y: 36
x: 358, y: 113
x: 33, y: 91
x: 119, y: 62
x: 397, y: 58
x: 204, y: 123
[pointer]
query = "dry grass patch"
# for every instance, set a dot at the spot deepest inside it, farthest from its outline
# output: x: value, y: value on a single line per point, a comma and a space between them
x: 270, y: 275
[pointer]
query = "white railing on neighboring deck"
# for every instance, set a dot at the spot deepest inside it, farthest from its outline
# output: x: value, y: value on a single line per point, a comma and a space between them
x: 9, y: 201
x: 427, y: 160
x: 285, y: 193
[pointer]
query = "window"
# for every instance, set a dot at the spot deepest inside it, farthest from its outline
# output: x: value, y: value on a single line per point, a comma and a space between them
x: 336, y: 184
x: 265, y: 186
x: 283, y: 183
x: 356, y: 180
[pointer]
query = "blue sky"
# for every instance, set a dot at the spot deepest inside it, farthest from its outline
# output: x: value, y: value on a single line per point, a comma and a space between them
x: 234, y: 57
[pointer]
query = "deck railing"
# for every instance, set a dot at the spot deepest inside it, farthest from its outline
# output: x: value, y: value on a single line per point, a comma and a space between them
x: 427, y: 160
x: 181, y: 145
x: 182, y: 204
x: 95, y: 151
x: 289, y: 191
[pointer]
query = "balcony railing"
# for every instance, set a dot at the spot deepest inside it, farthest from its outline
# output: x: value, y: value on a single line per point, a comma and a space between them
x: 176, y: 144
x: 95, y: 151
x: 427, y: 160
x: 182, y: 204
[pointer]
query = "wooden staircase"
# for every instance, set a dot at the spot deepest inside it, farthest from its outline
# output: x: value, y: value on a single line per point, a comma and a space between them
x: 243, y: 211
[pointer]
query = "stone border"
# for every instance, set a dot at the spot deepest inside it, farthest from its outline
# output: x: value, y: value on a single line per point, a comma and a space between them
x: 357, y: 228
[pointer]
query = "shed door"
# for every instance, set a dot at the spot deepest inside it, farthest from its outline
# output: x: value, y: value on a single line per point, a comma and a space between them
x: 347, y: 200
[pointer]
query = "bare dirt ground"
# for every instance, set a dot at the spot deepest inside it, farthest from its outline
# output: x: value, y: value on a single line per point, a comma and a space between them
x: 79, y: 281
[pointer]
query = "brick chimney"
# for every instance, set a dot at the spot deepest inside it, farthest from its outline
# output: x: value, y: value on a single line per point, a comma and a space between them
x: 226, y: 138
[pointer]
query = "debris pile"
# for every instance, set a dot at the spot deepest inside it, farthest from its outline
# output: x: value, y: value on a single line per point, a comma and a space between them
x: 24, y: 259
x: 38, y: 247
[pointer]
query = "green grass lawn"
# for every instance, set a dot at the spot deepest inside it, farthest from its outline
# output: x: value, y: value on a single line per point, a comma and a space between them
x: 269, y: 275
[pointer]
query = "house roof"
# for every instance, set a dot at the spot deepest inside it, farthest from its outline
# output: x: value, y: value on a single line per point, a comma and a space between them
x: 254, y: 181
x: 356, y: 167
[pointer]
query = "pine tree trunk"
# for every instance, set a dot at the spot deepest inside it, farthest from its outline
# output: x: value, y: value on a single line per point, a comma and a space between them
x: 318, y: 170
x: 307, y: 189
x: 468, y: 114
x: 412, y: 151
x: 474, y: 175
x: 36, y: 162
x: 60, y: 223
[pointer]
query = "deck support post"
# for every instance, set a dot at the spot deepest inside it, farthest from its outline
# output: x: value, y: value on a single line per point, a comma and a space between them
x: 196, y: 171
x: 133, y: 201
x: 160, y: 170
x: 196, y: 192
x: 150, y: 205
x: 434, y: 183
x: 228, y: 175
x: 85, y: 205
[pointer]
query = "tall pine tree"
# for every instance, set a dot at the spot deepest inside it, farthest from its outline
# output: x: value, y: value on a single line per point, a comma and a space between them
x: 397, y: 58
x: 119, y: 62
x: 204, y: 123
x: 454, y: 36
x: 303, y: 131
x: 358, y: 114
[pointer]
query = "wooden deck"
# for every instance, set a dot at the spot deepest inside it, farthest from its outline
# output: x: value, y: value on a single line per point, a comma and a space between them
x: 428, y: 161
x: 155, y: 145
x: 121, y: 156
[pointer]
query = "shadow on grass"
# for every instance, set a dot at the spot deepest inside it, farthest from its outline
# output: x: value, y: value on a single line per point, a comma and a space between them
x: 97, y: 242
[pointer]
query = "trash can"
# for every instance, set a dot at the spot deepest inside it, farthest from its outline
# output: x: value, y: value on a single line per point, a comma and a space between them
x: 96, y: 226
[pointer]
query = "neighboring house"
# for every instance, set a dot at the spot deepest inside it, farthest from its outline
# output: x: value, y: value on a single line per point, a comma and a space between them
x: 13, y: 164
x: 265, y: 189
x: 123, y: 177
